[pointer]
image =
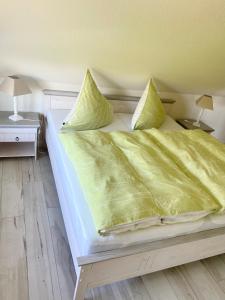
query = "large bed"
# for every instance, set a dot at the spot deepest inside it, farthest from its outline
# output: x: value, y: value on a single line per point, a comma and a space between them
x: 103, y: 259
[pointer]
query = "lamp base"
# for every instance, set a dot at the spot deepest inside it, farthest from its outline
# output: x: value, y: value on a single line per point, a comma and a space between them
x: 15, y: 117
x: 197, y: 124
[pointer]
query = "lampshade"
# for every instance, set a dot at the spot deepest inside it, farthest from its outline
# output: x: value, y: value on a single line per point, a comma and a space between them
x: 14, y: 86
x: 205, y: 101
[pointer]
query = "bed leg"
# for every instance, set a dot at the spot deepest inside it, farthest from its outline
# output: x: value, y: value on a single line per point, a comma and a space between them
x: 81, y: 284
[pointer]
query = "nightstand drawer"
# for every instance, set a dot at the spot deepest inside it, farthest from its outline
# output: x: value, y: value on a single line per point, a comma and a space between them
x: 17, y: 137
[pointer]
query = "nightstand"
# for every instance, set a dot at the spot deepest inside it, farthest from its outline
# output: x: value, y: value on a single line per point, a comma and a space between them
x: 19, y: 138
x: 188, y: 124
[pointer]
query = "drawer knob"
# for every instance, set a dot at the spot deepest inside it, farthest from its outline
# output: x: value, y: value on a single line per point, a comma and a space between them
x: 17, y: 139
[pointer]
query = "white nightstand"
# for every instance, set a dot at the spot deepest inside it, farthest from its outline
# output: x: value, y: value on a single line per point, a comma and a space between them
x: 19, y: 138
x: 188, y: 124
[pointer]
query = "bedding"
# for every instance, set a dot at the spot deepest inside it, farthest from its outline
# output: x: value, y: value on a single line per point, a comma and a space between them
x: 150, y: 112
x: 81, y: 232
x: 147, y: 177
x: 91, y: 110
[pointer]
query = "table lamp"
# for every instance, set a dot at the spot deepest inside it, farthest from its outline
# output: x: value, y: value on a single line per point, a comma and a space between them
x: 14, y: 86
x: 205, y: 102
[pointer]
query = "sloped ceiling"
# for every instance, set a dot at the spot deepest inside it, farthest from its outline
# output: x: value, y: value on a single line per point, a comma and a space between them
x: 179, y: 42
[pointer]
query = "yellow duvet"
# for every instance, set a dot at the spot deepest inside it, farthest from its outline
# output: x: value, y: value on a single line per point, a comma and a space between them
x: 147, y: 177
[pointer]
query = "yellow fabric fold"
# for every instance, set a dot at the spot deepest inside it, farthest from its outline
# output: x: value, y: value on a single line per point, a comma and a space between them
x: 147, y: 177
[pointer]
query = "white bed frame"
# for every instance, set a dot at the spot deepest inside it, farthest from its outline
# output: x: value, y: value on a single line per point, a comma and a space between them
x: 110, y: 266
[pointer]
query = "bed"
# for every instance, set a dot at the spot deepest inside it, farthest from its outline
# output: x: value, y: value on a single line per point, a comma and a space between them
x: 100, y: 260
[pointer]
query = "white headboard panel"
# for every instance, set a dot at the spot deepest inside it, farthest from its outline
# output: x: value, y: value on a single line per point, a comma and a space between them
x: 121, y: 104
x: 64, y: 102
x: 61, y: 102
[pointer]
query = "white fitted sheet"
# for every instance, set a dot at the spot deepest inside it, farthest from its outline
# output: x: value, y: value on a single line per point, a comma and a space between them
x: 77, y: 210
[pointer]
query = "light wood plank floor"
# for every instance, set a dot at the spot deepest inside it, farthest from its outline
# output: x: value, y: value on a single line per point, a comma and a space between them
x: 35, y: 259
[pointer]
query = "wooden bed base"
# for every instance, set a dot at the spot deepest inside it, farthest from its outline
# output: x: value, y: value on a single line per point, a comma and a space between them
x: 110, y: 266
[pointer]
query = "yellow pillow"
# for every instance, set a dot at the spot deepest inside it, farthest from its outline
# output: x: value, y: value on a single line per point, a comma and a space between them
x: 149, y: 112
x: 91, y: 110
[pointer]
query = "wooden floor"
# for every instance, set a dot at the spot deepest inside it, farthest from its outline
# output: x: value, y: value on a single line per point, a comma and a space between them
x: 35, y: 259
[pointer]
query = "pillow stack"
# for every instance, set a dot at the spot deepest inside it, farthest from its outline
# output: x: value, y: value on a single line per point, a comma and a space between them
x: 92, y: 110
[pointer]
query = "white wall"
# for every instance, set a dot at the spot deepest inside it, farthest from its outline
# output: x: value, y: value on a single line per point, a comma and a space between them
x: 180, y: 43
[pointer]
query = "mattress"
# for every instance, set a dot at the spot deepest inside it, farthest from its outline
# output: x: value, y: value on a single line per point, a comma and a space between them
x: 81, y: 231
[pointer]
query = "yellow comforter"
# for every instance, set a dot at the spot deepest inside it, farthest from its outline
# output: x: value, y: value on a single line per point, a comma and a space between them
x: 147, y: 177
